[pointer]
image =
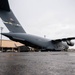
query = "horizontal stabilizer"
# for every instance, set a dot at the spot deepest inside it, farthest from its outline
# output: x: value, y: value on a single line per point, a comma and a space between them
x: 4, y: 5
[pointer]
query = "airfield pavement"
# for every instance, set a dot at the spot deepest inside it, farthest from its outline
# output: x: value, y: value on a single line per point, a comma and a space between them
x: 37, y: 63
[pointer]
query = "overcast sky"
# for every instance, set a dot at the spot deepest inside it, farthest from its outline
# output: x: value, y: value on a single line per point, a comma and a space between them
x: 53, y: 18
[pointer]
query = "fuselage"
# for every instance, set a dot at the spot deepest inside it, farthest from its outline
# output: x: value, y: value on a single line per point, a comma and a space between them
x: 36, y: 42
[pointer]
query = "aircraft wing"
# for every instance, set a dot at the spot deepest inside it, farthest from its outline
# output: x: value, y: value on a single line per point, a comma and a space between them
x: 63, y: 39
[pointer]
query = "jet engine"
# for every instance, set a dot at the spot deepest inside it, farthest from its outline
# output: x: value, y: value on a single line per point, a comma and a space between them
x: 70, y: 43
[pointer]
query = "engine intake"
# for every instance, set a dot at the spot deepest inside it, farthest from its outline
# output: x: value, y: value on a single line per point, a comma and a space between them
x: 70, y: 43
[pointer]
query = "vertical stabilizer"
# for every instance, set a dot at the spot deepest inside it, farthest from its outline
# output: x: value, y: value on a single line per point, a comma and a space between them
x: 9, y: 19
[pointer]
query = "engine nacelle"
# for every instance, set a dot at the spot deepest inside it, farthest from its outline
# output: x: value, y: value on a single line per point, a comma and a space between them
x: 70, y: 43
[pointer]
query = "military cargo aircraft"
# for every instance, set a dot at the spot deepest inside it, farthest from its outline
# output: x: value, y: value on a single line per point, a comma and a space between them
x: 17, y: 33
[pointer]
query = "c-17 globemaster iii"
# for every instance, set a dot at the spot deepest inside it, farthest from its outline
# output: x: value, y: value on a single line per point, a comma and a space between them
x: 18, y: 34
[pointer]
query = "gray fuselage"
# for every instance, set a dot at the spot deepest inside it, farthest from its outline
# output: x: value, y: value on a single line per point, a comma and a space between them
x: 36, y: 42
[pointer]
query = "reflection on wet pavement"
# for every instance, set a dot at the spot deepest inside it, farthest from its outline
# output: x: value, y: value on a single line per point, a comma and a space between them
x: 37, y: 63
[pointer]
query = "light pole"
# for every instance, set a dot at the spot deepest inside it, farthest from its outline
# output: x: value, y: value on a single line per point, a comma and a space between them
x: 1, y: 37
x: 44, y: 36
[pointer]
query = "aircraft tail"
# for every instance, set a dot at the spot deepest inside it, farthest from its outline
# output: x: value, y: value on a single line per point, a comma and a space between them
x: 9, y: 19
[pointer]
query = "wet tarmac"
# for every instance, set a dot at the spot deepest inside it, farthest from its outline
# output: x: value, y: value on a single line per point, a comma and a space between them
x: 37, y: 63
